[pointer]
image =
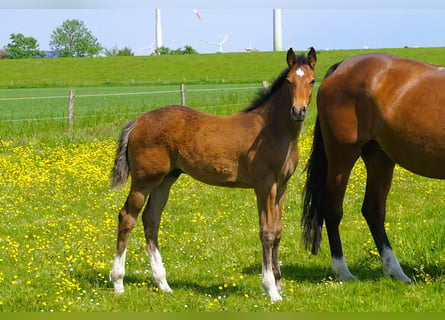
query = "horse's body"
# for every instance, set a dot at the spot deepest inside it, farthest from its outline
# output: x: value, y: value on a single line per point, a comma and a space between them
x: 256, y: 148
x: 387, y: 110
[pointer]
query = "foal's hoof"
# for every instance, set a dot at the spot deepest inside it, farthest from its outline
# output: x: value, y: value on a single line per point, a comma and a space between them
x: 118, y: 285
x: 164, y: 287
x: 273, y: 294
x: 275, y: 297
x: 166, y: 290
x: 119, y: 290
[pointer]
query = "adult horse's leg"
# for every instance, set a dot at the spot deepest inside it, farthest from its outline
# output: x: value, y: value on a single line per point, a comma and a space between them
x: 270, y: 233
x: 379, y: 176
x: 151, y: 218
x: 339, y: 169
x: 127, y: 219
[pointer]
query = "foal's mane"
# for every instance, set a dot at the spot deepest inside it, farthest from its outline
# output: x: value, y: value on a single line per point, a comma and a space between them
x: 264, y: 94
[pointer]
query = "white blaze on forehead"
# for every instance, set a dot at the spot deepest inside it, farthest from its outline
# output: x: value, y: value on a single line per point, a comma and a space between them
x: 299, y: 72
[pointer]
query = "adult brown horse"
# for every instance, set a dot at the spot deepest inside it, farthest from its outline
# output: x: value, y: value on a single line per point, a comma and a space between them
x: 387, y: 110
x: 255, y: 148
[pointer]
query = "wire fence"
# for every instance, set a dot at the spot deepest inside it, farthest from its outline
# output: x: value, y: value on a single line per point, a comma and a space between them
x: 72, y: 98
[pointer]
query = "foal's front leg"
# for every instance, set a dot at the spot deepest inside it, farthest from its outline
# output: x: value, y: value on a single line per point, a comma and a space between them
x: 270, y: 233
x: 281, y: 195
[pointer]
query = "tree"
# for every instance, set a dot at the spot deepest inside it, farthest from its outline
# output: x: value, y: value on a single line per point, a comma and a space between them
x: 164, y: 51
x: 118, y: 52
x: 23, y: 47
x: 125, y: 52
x: 189, y: 50
x: 73, y: 39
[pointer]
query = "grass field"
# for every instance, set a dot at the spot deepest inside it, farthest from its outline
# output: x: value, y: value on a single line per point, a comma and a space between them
x: 59, y: 217
x: 153, y: 70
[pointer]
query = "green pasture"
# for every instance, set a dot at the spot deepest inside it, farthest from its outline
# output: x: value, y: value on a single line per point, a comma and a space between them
x: 155, y: 70
x: 100, y: 112
x: 59, y: 216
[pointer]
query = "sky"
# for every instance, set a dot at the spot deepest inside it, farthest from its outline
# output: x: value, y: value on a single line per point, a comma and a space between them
x: 323, y: 24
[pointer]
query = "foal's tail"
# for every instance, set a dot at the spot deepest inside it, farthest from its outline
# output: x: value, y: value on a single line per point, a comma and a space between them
x: 120, y: 171
x: 312, y: 218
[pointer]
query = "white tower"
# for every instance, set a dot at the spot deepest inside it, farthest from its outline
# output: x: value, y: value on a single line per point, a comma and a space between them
x: 158, y: 29
x: 277, y: 33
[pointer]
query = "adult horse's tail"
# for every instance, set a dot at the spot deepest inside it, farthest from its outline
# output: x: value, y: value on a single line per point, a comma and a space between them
x: 316, y: 170
x: 120, y: 171
x: 315, y: 188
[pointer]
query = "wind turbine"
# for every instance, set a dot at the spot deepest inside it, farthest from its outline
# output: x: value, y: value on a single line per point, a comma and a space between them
x: 158, y: 29
x: 151, y: 49
x: 220, y: 44
x: 277, y: 31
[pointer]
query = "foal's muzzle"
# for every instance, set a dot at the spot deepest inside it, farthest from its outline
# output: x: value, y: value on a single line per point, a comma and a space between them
x: 298, y: 113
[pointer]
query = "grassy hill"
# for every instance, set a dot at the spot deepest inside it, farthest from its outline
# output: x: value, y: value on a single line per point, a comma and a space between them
x: 150, y: 70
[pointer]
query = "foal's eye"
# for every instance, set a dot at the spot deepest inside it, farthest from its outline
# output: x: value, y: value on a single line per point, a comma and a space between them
x: 312, y: 82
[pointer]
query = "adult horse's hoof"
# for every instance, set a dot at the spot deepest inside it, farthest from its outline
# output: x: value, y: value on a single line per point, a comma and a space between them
x: 340, y: 269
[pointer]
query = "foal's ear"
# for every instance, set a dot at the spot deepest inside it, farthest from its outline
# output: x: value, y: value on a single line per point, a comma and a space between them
x: 290, y: 58
x: 312, y: 57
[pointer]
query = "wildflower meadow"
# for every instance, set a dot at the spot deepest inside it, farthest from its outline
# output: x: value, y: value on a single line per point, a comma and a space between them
x: 60, y: 217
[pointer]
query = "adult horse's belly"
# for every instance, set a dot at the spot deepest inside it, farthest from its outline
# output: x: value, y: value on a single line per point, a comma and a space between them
x: 416, y: 143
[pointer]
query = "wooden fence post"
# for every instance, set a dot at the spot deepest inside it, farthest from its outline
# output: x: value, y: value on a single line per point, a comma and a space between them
x: 71, y: 109
x: 182, y: 94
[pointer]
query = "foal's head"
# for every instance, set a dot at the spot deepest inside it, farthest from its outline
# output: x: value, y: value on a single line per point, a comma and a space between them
x: 301, y: 79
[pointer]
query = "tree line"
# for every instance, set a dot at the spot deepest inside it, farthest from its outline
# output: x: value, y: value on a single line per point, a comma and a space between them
x: 72, y: 39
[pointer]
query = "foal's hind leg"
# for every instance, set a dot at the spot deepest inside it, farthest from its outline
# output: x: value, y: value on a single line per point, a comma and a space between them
x: 152, y: 218
x: 380, y: 170
x: 127, y: 220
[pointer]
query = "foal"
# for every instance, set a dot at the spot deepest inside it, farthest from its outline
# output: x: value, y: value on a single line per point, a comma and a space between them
x: 255, y: 148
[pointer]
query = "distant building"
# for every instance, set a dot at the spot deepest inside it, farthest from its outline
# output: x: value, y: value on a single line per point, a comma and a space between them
x: 2, y: 53
x: 50, y: 54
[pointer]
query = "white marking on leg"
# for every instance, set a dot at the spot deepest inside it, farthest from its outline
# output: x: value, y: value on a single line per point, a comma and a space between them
x: 391, y: 266
x: 158, y: 271
x: 268, y: 284
x: 341, y: 270
x: 118, y: 272
x: 300, y: 72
